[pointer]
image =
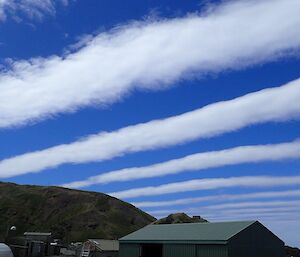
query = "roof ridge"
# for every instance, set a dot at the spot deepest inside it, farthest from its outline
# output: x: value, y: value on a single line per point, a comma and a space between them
x: 250, y: 223
x: 203, y: 223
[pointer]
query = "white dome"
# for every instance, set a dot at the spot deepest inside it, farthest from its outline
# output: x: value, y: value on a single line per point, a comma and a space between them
x: 5, y: 251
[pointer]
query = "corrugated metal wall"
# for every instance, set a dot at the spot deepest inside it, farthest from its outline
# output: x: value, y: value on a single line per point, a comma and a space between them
x: 129, y: 250
x: 212, y: 251
x: 179, y: 250
x: 189, y: 250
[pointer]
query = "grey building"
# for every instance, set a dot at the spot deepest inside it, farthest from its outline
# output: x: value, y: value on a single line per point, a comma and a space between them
x: 100, y: 248
x: 224, y: 239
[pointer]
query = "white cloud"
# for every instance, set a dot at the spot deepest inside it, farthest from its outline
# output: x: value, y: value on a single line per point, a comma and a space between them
x: 197, y: 162
x: 209, y: 184
x: 269, y: 105
x: 227, y: 197
x: 33, y: 9
x: 239, y: 210
x: 263, y: 204
x: 254, y: 212
x: 151, y: 55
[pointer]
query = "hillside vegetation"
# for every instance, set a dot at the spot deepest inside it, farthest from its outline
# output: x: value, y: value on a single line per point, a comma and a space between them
x: 292, y: 251
x: 71, y: 215
x: 176, y: 218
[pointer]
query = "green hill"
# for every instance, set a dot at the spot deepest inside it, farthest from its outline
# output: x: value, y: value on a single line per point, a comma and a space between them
x: 71, y: 215
x: 179, y: 218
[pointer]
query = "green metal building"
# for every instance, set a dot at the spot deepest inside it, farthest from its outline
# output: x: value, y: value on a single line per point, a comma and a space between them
x: 224, y: 239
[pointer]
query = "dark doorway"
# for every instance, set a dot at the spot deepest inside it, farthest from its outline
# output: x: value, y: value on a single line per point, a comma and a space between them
x: 152, y: 250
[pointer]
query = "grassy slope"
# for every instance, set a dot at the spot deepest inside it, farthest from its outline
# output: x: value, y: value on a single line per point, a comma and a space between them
x: 292, y: 252
x: 70, y: 214
x: 179, y: 218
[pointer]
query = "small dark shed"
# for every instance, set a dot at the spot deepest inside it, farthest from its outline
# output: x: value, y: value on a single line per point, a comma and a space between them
x: 223, y: 239
x: 38, y: 243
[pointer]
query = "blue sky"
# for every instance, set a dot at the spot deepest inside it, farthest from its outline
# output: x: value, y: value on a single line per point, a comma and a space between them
x: 71, y: 70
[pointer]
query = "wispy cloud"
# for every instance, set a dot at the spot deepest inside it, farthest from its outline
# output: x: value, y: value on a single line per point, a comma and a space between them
x: 223, y: 197
x: 209, y: 184
x: 212, y: 120
x: 258, y: 204
x: 150, y: 55
x: 238, y: 209
x: 197, y: 162
x: 33, y: 9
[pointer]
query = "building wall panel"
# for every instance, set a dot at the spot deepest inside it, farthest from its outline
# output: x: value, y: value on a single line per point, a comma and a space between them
x: 129, y: 250
x: 212, y: 251
x: 179, y: 250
